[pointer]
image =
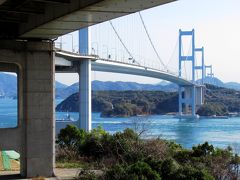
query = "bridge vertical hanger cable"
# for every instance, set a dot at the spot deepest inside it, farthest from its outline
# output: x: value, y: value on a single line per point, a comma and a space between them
x: 172, y: 55
x: 148, y: 35
x: 119, y: 38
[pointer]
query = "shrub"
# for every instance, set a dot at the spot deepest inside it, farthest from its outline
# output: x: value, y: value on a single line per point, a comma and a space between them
x: 70, y: 137
x: 136, y: 171
x: 142, y: 170
x: 117, y: 172
x: 95, y: 143
x: 189, y: 172
x: 69, y: 140
x: 222, y: 164
x: 203, y: 150
x: 155, y: 148
x: 125, y: 145
x: 168, y: 168
x: 183, y: 156
x: 155, y: 164
x: 145, y: 159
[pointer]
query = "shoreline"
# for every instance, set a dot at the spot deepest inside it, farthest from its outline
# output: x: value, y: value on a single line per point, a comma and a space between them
x: 163, y: 114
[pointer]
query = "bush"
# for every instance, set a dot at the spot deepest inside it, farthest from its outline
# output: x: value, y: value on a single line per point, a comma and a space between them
x: 183, y: 156
x: 155, y: 164
x: 125, y: 145
x: 136, y: 171
x: 188, y: 172
x: 203, y: 150
x: 168, y: 168
x: 69, y: 140
x: 155, y: 148
x: 142, y: 170
x: 95, y: 143
x: 145, y: 159
x: 117, y: 172
x: 70, y: 137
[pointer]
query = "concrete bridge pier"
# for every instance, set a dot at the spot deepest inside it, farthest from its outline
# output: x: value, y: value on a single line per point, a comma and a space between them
x: 191, y: 98
x: 85, y: 86
x: 85, y: 95
x: 34, y: 135
x: 187, y: 100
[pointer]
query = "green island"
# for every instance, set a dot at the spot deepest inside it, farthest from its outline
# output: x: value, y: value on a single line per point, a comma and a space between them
x: 125, y: 155
x: 218, y: 102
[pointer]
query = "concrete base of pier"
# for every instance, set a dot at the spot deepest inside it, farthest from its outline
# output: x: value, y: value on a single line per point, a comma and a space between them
x: 191, y: 97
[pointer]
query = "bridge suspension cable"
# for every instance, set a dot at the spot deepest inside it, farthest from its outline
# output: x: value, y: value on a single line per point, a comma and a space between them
x: 120, y: 39
x: 173, y: 59
x: 151, y: 42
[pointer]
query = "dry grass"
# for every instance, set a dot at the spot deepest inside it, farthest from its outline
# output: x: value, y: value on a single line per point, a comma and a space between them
x: 155, y: 148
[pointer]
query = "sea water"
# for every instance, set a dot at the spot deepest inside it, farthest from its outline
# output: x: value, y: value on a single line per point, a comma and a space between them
x: 187, y: 132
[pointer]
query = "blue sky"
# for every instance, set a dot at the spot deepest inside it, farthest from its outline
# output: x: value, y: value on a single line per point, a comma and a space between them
x: 217, y: 27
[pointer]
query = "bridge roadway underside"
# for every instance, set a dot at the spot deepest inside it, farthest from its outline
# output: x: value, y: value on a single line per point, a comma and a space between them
x: 137, y: 70
x: 34, y: 136
x: 48, y: 19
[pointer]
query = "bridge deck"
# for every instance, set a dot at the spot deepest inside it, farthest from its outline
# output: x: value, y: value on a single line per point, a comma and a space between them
x: 64, y: 63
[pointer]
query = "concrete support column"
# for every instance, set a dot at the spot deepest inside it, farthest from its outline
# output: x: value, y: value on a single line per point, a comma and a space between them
x: 39, y: 112
x: 85, y: 87
x: 85, y: 95
x: 188, y: 99
x: 34, y: 137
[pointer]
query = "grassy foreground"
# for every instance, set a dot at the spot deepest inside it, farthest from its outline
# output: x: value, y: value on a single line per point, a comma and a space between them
x: 124, y: 155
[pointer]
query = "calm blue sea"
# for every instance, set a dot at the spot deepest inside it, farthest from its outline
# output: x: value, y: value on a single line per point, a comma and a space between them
x: 219, y: 132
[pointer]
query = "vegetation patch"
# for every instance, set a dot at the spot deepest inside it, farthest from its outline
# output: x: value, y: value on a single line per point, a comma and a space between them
x: 124, y: 155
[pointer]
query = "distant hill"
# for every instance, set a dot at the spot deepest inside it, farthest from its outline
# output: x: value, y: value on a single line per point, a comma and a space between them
x: 59, y: 88
x: 59, y: 85
x: 218, y: 101
x: 214, y: 81
x: 125, y: 103
x: 217, y: 82
x: 8, y: 85
x: 233, y: 85
x: 120, y: 86
x: 125, y: 86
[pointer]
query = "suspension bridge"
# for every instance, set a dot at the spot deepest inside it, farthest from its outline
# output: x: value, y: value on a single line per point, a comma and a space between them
x: 28, y: 29
x: 88, y: 58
